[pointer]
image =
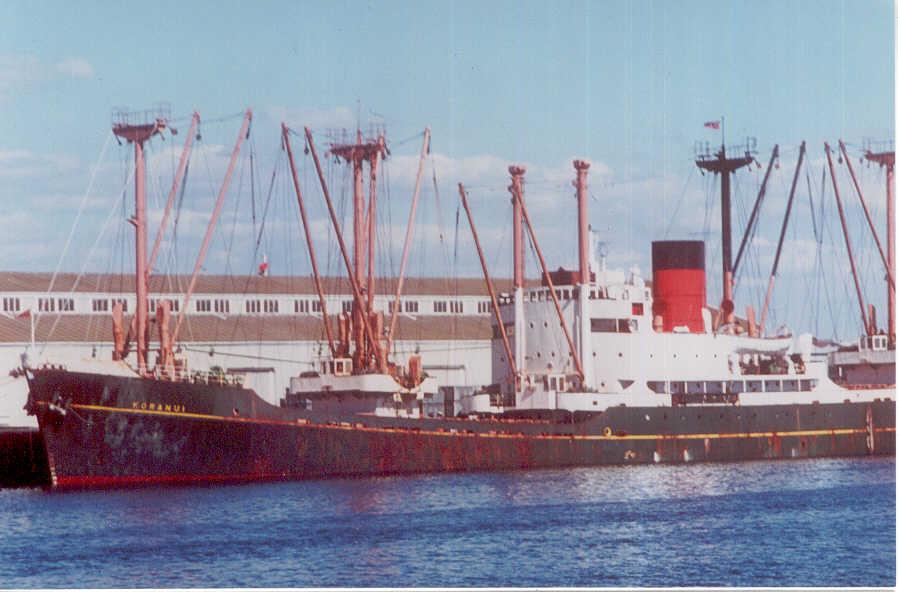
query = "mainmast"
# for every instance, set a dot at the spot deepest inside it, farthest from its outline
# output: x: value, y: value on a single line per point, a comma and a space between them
x: 137, y: 127
x: 357, y: 154
x: 883, y: 154
x: 719, y: 163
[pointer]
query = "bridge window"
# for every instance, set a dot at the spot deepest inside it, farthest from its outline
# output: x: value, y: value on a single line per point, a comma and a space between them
x: 439, y: 306
x: 736, y: 386
x: 411, y: 306
x: 253, y: 306
x: 46, y: 304
x: 222, y: 306
x: 754, y: 386
x: 714, y: 387
x: 657, y: 386
x: 204, y: 305
x: 773, y: 386
x: 66, y: 304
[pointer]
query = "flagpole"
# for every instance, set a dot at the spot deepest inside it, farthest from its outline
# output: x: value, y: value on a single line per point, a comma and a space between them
x: 723, y: 135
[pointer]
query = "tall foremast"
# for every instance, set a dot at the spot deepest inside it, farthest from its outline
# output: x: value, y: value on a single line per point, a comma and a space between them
x: 136, y: 128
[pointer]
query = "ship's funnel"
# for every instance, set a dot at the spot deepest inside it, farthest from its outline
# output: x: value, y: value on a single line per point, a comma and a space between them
x: 678, y: 284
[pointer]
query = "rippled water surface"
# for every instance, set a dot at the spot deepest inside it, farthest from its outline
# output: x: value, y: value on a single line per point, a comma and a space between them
x: 794, y: 523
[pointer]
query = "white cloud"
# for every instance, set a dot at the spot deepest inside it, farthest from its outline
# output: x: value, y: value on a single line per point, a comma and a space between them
x: 75, y: 67
x: 18, y: 72
x: 20, y: 163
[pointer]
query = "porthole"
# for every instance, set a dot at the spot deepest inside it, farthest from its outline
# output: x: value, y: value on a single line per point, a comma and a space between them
x: 553, y: 354
x: 538, y: 355
x: 545, y: 324
x: 593, y: 354
x: 531, y: 324
x: 620, y: 355
x: 648, y: 417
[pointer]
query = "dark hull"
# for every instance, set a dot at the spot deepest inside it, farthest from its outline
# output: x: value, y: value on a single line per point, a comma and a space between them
x: 23, y: 461
x: 111, y: 431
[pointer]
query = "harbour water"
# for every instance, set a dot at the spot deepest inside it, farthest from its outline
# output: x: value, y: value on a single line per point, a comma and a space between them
x: 827, y: 522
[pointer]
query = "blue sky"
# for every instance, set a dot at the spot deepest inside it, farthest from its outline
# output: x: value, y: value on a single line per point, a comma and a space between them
x: 625, y: 84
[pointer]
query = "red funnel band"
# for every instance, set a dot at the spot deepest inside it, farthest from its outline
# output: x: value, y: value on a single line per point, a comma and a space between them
x: 679, y: 296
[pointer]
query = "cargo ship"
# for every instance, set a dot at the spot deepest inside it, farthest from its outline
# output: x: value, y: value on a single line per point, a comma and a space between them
x: 593, y: 366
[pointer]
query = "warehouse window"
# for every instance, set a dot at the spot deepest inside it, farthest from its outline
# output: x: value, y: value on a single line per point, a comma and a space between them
x: 11, y: 304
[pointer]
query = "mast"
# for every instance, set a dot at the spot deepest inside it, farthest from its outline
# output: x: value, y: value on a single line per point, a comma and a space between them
x: 752, y: 219
x: 409, y: 230
x: 518, y: 195
x: 585, y: 326
x: 719, y: 163
x: 884, y: 156
x: 357, y: 154
x: 779, y: 245
x: 860, y: 196
x: 285, y: 131
x: 358, y: 302
x: 520, y: 340
x: 210, y: 228
x: 179, y: 176
x: 372, y: 222
x: 136, y: 128
x: 857, y: 284
x: 489, y: 286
